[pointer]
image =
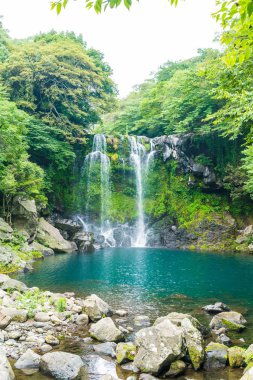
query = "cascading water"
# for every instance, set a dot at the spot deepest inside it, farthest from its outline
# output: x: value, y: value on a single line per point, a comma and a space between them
x: 132, y: 156
x: 99, y: 156
x: 137, y: 156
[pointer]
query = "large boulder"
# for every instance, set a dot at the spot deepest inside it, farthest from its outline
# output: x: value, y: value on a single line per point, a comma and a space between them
x: 96, y: 308
x: 6, y: 231
x: 106, y: 331
x: 61, y: 365
x: 50, y: 236
x: 216, y: 356
x: 158, y: 346
x: 25, y: 217
x: 84, y: 241
x: 230, y: 320
x: 69, y: 226
x: 6, y: 372
x: 194, y: 343
x: 192, y: 336
x: 29, y: 360
x: 41, y: 248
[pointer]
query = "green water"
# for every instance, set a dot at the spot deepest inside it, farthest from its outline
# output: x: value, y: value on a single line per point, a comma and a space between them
x: 148, y: 280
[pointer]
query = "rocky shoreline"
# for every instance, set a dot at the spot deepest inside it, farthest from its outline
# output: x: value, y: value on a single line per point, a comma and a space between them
x: 66, y: 337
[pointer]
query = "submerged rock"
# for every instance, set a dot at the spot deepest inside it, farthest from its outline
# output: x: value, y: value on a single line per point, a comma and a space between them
x: 107, y: 348
x: 29, y: 360
x: 218, y: 307
x: 61, y: 365
x: 142, y: 320
x: 97, y: 368
x: 106, y: 331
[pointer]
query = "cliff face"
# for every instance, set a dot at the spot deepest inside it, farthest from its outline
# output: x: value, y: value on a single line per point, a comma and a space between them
x: 184, y: 197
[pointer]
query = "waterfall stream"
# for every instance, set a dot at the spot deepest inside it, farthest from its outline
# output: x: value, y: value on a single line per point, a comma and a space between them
x: 137, y: 156
x: 133, y: 155
x: 99, y: 156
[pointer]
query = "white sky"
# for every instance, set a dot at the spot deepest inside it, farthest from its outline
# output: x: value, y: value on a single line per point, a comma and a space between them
x: 134, y: 42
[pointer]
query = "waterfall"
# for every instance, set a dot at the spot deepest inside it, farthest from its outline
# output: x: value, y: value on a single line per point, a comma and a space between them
x: 99, y: 156
x: 137, y: 154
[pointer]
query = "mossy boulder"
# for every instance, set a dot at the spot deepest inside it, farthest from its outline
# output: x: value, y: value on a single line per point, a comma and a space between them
x: 216, y: 356
x: 236, y: 356
x: 158, y: 347
x: 231, y: 320
x: 194, y: 343
x: 125, y: 352
x: 50, y: 237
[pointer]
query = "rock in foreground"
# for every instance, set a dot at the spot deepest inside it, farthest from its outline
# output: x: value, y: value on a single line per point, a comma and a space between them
x: 106, y: 331
x: 62, y: 365
x: 159, y: 346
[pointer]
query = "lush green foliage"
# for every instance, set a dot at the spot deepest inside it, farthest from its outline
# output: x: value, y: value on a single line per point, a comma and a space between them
x: 177, y: 100
x: 18, y: 176
x: 55, y: 78
x: 58, y: 89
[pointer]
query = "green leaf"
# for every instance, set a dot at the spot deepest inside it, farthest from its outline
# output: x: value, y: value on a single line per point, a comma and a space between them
x: 58, y: 8
x: 128, y: 3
